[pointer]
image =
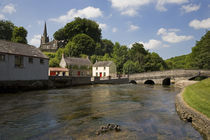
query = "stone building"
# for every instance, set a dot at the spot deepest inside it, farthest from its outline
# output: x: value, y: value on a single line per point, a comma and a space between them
x: 104, y: 69
x: 22, y: 62
x: 50, y: 46
x: 78, y: 67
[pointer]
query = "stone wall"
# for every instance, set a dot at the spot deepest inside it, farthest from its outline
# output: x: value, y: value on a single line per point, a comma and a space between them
x: 198, y: 120
x: 97, y: 80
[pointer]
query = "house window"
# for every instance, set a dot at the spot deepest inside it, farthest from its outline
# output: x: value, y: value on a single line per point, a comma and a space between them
x: 96, y: 68
x: 41, y: 61
x: 30, y: 60
x: 2, y: 57
x: 19, y: 61
x: 104, y: 68
x: 104, y: 73
x: 96, y: 73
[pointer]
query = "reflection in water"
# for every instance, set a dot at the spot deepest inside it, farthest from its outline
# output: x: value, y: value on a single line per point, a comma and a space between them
x: 143, y: 112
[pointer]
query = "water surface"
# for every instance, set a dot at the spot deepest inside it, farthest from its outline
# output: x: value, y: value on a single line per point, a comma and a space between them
x: 143, y: 112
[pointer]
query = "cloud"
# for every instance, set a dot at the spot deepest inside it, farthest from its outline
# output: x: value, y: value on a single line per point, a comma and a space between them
x: 209, y: 5
x: 40, y: 22
x: 190, y: 8
x: 35, y: 40
x: 152, y: 44
x: 129, y: 7
x: 103, y: 26
x: 10, y: 8
x: 2, y: 16
x: 203, y: 24
x: 114, y: 30
x: 171, y: 36
x: 160, y: 6
x: 133, y: 28
x: 88, y: 12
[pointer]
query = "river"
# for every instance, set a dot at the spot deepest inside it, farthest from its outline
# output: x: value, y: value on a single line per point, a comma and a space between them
x: 142, y: 111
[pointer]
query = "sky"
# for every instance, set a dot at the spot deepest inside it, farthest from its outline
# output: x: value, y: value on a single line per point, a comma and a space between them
x: 167, y: 27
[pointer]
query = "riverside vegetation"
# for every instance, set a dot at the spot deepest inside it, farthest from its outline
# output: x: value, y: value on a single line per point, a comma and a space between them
x: 198, y: 96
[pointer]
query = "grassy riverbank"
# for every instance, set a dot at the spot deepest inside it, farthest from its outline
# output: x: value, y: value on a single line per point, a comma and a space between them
x: 198, y: 96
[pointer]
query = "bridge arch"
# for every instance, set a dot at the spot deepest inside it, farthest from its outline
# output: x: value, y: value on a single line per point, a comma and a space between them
x: 133, y: 82
x: 166, y: 81
x: 149, y: 82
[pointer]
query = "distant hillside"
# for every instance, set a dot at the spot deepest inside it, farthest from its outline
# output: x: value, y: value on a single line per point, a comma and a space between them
x: 177, y: 62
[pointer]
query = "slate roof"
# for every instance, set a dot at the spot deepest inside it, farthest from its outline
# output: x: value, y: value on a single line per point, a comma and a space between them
x: 103, y: 63
x: 77, y: 61
x: 20, y: 49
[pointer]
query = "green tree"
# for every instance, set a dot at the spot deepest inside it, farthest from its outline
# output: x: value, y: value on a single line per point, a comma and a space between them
x: 120, y: 56
x: 6, y: 29
x: 19, y: 35
x: 200, y: 56
x: 130, y: 67
x: 81, y: 44
x: 154, y: 62
x: 79, y: 26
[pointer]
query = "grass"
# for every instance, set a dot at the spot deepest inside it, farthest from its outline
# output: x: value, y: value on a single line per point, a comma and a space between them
x: 198, y: 96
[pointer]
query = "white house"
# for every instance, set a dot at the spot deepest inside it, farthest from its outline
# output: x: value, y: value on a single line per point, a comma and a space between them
x: 78, y: 67
x: 22, y: 62
x: 104, y: 69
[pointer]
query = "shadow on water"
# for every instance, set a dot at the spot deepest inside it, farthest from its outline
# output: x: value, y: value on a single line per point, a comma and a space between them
x: 142, y: 111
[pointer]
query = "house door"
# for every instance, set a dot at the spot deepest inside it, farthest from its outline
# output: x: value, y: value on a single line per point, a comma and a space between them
x: 100, y: 74
x: 78, y: 73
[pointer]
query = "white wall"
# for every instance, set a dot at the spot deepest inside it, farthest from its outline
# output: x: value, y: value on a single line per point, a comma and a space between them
x: 100, y: 70
x: 35, y: 71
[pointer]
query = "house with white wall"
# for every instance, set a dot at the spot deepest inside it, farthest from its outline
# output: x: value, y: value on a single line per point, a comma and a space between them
x: 22, y: 62
x: 104, y: 69
x: 78, y: 67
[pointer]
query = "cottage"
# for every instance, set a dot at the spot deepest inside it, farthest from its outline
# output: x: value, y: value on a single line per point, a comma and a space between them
x: 77, y: 66
x: 104, y: 69
x: 22, y: 62
x: 57, y: 71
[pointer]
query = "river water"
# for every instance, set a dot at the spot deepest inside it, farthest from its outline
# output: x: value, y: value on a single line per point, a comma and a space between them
x: 143, y: 112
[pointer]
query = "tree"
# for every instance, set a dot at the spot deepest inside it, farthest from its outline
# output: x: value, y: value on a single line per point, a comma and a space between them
x: 79, y: 26
x: 130, y: 67
x: 6, y: 29
x: 120, y: 56
x: 200, y: 56
x: 154, y: 62
x: 60, y: 34
x: 19, y: 35
x: 81, y: 44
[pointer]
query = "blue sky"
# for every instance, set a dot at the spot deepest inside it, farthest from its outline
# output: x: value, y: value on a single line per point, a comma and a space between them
x: 168, y: 27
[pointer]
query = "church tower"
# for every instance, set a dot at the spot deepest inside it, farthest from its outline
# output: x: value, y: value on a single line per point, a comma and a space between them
x: 45, y: 38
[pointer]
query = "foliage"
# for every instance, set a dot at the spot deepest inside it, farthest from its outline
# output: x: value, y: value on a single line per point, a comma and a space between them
x: 6, y: 29
x: 19, y: 35
x: 120, y: 56
x: 200, y: 56
x: 50, y: 54
x: 79, y: 26
x: 54, y: 62
x: 178, y: 62
x: 197, y: 96
x: 104, y: 47
x: 80, y: 44
x: 154, y: 62
x: 130, y: 67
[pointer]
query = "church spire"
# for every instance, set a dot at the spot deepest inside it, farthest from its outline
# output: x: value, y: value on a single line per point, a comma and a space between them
x: 45, y: 30
x: 45, y: 38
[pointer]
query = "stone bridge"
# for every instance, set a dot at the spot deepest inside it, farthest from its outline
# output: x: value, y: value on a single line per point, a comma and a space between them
x: 167, y: 77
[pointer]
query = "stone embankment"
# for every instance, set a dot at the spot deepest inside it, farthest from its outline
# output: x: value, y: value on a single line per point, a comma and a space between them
x: 199, y: 121
x: 184, y: 83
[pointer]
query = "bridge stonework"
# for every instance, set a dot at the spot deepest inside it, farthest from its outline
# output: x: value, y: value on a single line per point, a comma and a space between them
x: 172, y: 75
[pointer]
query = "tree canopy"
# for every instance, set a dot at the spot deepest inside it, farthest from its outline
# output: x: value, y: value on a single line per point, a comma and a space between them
x: 79, y: 26
x: 8, y: 31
